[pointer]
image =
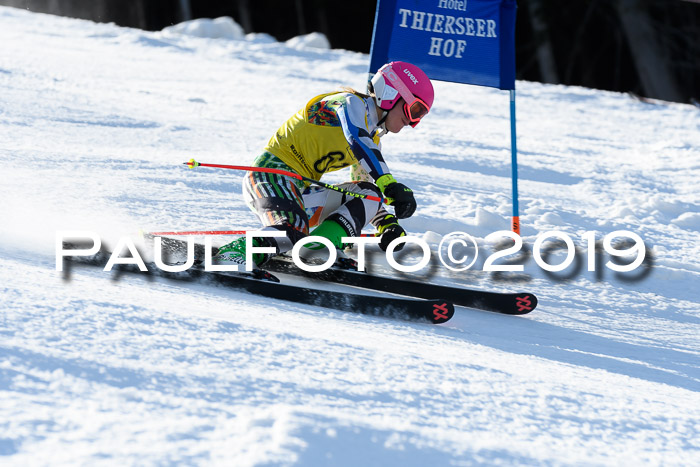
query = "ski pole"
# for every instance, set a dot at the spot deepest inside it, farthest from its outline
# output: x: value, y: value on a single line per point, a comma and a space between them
x: 193, y: 163
x: 198, y: 232
x: 218, y: 232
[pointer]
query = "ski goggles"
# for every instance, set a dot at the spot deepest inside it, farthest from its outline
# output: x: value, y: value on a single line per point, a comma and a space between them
x: 413, y: 107
x: 415, y: 111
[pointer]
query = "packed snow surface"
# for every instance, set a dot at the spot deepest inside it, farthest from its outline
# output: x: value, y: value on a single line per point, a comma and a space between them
x: 95, y: 122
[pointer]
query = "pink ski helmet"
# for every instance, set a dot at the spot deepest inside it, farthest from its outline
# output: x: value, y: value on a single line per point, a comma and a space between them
x: 401, y: 79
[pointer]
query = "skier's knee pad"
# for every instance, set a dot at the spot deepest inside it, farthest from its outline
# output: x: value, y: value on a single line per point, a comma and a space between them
x: 357, y: 212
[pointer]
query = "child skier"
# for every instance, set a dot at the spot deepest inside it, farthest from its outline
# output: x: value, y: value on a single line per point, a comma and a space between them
x: 331, y: 132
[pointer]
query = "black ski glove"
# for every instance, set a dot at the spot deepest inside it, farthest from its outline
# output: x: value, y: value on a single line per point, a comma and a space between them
x: 390, y: 230
x: 398, y: 195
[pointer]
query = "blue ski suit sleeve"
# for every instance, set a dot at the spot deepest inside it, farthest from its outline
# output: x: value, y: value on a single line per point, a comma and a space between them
x: 358, y: 120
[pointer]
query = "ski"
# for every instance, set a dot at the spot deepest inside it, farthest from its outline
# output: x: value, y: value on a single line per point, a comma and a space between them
x: 505, y: 303
x: 498, y: 302
x: 435, y: 311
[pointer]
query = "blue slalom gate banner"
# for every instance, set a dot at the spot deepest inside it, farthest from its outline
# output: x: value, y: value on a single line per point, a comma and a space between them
x: 462, y: 41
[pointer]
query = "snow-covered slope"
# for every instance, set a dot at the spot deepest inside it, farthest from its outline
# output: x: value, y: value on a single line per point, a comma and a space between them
x: 95, y: 121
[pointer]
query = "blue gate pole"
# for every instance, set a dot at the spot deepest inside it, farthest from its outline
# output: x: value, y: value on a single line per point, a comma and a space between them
x: 515, y: 223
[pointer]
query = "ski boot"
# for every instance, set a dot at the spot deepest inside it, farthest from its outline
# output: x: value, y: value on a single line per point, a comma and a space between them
x: 333, y: 231
x: 235, y: 253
